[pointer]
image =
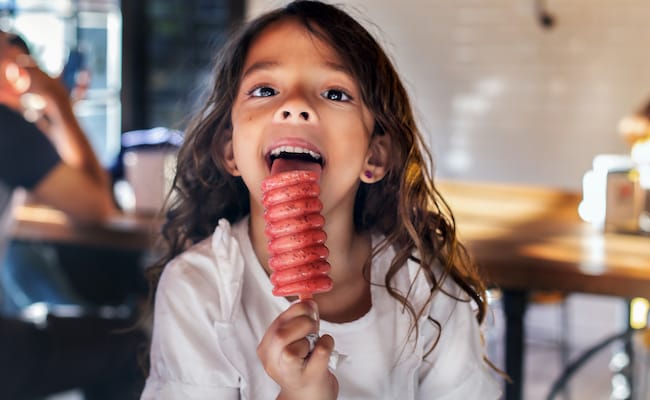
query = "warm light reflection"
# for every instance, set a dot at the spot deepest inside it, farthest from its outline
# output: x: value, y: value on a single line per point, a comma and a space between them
x: 40, y: 214
x: 639, y: 308
x: 505, y: 211
x: 481, y: 231
x: 593, y: 254
x: 568, y: 250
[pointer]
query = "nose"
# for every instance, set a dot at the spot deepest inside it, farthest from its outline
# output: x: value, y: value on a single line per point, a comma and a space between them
x: 295, y: 110
x: 304, y: 115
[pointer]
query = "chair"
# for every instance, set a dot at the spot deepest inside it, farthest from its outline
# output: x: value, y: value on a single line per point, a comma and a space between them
x: 630, y: 366
x: 557, y: 300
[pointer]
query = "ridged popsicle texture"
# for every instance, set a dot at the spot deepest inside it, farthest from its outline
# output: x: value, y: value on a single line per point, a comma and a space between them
x: 294, y: 229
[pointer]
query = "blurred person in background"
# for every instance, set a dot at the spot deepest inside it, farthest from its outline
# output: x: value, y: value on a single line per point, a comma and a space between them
x: 44, y: 150
x: 50, y: 156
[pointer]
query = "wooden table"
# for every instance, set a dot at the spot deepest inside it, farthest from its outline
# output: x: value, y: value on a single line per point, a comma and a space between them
x: 43, y: 224
x: 104, y: 262
x: 530, y: 238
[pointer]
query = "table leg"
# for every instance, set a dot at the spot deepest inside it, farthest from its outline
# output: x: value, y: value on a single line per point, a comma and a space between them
x: 514, y: 306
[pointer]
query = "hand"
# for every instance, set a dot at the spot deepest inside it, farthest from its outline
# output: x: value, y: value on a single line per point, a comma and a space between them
x: 19, y: 74
x: 40, y: 83
x: 13, y: 80
x: 284, y: 352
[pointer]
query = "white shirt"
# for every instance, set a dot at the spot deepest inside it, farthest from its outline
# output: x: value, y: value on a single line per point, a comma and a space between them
x: 214, y: 304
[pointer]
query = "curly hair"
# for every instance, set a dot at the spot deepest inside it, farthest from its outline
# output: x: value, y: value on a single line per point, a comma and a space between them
x: 405, y: 206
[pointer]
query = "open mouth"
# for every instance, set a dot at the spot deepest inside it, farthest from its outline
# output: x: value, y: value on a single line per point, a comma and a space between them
x: 293, y: 157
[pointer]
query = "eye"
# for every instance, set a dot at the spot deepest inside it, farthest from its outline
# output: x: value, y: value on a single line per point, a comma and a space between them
x: 263, y: 91
x: 336, y: 95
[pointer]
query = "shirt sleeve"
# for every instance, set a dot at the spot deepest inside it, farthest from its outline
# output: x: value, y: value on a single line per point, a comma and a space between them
x: 455, y: 369
x: 26, y: 155
x: 187, y: 360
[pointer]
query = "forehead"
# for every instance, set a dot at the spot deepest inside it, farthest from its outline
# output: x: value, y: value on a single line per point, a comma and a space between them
x: 290, y: 40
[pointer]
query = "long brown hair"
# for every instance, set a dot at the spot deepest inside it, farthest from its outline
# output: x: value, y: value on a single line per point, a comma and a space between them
x: 405, y: 206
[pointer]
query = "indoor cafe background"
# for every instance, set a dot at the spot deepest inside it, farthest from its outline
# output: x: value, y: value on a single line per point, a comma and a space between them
x: 501, y: 97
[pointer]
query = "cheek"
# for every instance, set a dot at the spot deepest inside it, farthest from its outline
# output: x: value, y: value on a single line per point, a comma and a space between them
x: 351, y: 150
x: 237, y: 114
x: 238, y: 147
x: 244, y: 121
x: 368, y: 121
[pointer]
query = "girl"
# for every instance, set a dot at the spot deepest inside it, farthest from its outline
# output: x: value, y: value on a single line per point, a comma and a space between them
x: 309, y: 77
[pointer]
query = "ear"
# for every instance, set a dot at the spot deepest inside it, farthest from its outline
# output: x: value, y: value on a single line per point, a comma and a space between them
x: 229, y: 159
x: 376, y: 164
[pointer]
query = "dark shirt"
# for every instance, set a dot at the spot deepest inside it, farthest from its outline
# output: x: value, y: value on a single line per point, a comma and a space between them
x: 26, y: 155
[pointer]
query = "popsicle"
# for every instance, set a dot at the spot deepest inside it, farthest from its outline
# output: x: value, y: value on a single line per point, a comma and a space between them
x: 294, y: 229
x: 296, y: 240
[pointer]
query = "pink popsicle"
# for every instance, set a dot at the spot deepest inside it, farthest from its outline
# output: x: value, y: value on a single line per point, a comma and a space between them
x: 294, y: 229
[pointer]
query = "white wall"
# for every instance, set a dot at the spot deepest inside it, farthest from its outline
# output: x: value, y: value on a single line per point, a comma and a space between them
x: 502, y: 99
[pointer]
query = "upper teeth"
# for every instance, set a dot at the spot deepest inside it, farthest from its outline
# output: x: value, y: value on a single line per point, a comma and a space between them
x: 294, y: 149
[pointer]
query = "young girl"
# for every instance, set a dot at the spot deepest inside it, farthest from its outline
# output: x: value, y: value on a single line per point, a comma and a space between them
x: 308, y: 78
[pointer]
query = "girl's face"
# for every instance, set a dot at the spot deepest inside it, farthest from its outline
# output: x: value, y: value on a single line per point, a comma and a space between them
x: 297, y: 94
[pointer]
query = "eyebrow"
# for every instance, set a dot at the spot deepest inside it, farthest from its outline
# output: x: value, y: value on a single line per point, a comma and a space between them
x: 266, y: 65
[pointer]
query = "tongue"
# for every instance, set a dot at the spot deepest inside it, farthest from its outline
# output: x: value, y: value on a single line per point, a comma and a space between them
x: 284, y: 165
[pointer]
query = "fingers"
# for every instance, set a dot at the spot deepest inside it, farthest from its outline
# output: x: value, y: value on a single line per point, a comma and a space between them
x: 297, y: 321
x: 25, y: 61
x: 320, y: 355
x: 294, y: 331
x: 304, y: 307
x: 23, y: 74
x: 299, y: 367
x: 17, y: 77
x: 285, y: 340
x: 296, y: 352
